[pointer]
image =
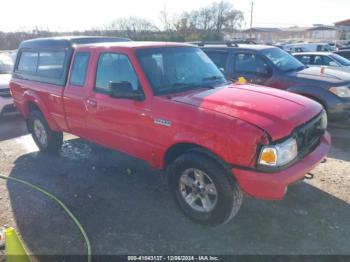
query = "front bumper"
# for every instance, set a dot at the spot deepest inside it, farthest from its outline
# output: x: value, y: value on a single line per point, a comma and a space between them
x: 273, y: 186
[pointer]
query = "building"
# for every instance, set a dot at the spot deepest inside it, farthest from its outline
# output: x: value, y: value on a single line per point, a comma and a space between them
x: 323, y: 33
x: 316, y: 33
x: 344, y: 29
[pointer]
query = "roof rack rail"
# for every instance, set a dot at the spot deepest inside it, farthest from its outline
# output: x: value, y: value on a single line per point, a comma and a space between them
x: 227, y: 43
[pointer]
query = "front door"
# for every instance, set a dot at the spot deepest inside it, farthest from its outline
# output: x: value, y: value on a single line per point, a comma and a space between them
x: 121, y: 124
x: 250, y: 66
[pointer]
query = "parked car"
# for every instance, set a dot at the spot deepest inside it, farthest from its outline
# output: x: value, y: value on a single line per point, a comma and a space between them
x: 338, y: 46
x: 6, y: 66
x: 328, y: 59
x: 344, y: 53
x: 169, y: 105
x: 308, y: 47
x: 273, y: 67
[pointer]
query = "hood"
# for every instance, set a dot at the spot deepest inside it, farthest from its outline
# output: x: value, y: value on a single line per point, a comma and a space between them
x: 5, y: 81
x: 276, y: 112
x: 330, y: 75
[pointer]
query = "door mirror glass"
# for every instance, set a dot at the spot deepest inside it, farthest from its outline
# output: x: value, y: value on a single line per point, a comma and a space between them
x: 125, y: 90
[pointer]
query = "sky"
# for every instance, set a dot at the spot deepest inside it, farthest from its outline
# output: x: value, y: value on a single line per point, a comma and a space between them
x: 69, y: 15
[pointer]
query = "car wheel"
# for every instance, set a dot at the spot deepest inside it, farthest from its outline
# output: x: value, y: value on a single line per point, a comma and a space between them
x: 47, y: 140
x: 203, y: 190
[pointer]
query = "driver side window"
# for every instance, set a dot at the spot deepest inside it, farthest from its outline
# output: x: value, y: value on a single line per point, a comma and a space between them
x: 114, y: 67
x: 250, y: 63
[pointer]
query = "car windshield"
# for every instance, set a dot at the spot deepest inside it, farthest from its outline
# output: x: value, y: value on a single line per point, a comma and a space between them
x: 282, y: 60
x: 177, y: 69
x: 6, y: 63
x: 341, y: 60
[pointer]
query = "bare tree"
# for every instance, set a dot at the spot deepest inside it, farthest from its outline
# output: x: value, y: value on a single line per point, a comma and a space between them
x: 132, y: 26
x: 211, y: 21
x: 165, y: 19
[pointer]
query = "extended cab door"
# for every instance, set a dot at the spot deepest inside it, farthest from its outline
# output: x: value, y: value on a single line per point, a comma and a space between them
x: 76, y: 94
x: 250, y: 66
x: 122, y: 124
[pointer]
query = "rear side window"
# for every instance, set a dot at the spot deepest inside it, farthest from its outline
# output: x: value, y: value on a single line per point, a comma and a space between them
x: 219, y: 58
x: 42, y: 66
x: 28, y: 62
x: 79, y: 69
x: 114, y: 67
x: 51, y: 64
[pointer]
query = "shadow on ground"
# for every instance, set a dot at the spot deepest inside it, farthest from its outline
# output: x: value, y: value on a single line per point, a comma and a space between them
x: 11, y: 127
x: 134, y: 214
x: 340, y: 144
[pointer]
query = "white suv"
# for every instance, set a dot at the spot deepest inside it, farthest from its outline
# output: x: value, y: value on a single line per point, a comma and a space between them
x: 6, y: 64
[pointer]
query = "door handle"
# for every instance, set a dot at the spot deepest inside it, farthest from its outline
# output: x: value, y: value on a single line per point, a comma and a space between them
x: 91, y: 103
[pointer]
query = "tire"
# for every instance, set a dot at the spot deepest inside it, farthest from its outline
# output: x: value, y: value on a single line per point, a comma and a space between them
x: 39, y: 129
x: 183, y: 173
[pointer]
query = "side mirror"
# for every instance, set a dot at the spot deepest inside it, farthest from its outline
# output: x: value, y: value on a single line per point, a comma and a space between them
x: 124, y: 90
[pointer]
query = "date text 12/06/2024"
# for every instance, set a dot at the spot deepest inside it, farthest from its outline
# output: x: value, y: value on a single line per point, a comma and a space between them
x: 173, y: 258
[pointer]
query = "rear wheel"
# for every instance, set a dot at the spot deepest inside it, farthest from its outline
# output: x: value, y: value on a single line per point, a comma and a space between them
x: 203, y: 190
x: 46, y: 139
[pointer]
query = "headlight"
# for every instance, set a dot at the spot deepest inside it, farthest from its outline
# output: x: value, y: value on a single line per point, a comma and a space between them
x: 280, y: 154
x: 341, y: 91
x: 324, y: 121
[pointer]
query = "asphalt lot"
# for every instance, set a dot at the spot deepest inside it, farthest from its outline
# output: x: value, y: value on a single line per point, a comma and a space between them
x: 133, y: 213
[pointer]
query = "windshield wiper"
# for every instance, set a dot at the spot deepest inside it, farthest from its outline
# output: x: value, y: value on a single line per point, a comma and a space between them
x: 212, y: 78
x: 296, y: 69
x: 184, y: 86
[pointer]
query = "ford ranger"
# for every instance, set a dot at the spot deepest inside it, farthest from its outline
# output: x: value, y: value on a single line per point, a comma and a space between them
x: 168, y: 104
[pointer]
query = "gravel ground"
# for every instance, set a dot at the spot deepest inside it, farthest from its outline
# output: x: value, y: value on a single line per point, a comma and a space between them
x: 133, y: 213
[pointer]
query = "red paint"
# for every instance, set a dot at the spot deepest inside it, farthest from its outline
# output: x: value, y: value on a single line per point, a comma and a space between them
x: 273, y: 186
x: 230, y: 121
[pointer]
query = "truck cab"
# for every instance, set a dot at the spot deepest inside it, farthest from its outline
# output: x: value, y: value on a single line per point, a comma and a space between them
x: 169, y: 105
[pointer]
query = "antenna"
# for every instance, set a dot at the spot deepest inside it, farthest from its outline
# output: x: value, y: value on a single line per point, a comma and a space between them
x: 251, y: 19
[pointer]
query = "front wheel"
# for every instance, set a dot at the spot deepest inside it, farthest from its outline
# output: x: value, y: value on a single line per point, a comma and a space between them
x: 46, y: 139
x: 203, y: 190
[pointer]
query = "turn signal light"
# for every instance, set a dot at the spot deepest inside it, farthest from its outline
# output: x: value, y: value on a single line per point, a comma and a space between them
x: 268, y: 157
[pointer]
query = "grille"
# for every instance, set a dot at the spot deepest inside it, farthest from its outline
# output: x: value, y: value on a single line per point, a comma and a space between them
x: 5, y: 93
x: 308, y: 136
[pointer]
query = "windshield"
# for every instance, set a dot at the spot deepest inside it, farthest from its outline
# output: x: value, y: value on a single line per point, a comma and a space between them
x: 282, y: 60
x: 178, y: 69
x: 6, y: 62
x: 341, y: 60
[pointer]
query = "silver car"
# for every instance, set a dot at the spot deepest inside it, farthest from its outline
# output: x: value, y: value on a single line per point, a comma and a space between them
x: 327, y: 59
x: 7, y: 59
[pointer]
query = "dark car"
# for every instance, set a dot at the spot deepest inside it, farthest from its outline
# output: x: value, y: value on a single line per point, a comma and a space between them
x: 344, y: 53
x: 273, y: 67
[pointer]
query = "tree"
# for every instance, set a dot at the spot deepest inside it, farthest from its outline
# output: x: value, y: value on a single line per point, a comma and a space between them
x: 210, y: 22
x: 132, y: 26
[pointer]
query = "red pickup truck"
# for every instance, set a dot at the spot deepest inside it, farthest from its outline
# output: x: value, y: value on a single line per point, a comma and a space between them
x: 168, y: 104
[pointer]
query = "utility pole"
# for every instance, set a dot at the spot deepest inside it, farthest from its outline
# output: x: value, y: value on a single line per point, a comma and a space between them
x: 251, y: 19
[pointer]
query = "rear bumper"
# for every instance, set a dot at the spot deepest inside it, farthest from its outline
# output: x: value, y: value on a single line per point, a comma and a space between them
x: 273, y: 186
